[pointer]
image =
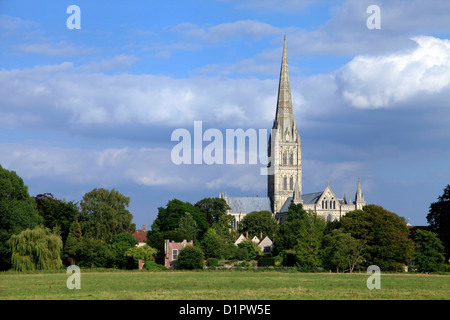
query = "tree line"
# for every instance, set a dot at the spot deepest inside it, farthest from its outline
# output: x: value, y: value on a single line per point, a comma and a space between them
x: 43, y: 232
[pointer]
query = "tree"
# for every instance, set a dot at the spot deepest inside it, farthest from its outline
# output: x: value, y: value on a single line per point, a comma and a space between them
x: 95, y: 253
x: 37, y: 249
x: 386, y: 236
x: 341, y: 250
x: 120, y: 244
x: 429, y: 253
x: 259, y: 221
x: 168, y: 218
x: 104, y: 214
x: 439, y: 219
x: 56, y: 213
x: 190, y: 258
x: 288, y: 235
x: 295, y: 211
x: 74, y: 242
x: 309, y: 241
x: 212, y: 245
x: 135, y: 254
x: 187, y: 225
x: 17, y: 212
x: 214, y: 208
x: 252, y: 249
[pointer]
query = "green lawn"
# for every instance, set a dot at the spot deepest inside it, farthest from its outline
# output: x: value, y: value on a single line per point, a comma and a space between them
x: 222, y: 285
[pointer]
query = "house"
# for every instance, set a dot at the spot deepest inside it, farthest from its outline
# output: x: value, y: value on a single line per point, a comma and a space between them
x: 171, y: 251
x: 264, y: 243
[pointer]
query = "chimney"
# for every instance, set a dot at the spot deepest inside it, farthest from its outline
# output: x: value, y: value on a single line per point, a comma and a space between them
x: 246, y: 235
x: 260, y: 238
x: 143, y: 227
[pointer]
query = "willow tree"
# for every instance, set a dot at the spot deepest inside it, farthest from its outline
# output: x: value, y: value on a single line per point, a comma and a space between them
x: 37, y: 249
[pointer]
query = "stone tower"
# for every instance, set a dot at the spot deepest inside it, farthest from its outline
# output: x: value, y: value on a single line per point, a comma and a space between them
x: 285, y: 166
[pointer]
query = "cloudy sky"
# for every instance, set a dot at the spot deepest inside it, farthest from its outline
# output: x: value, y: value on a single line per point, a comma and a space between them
x: 96, y: 107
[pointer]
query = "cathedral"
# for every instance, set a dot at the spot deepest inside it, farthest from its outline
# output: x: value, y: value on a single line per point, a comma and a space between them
x: 284, y: 179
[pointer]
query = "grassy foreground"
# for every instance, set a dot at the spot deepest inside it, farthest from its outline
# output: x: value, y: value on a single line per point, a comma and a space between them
x: 222, y: 285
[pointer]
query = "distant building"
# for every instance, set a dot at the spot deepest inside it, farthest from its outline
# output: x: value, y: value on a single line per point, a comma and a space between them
x: 264, y: 243
x: 140, y: 236
x: 284, y: 179
x: 171, y: 251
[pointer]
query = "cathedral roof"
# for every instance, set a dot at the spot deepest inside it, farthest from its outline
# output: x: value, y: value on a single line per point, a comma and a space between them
x: 249, y: 204
x: 309, y: 198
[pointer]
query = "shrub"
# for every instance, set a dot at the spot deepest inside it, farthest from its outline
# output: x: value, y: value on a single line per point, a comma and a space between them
x: 212, y: 262
x: 149, y: 265
x: 190, y: 258
x: 252, y: 249
x: 241, y: 254
x: 266, y: 262
x: 289, y: 258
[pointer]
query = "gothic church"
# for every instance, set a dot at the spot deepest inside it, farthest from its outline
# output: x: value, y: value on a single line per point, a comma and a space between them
x: 284, y: 182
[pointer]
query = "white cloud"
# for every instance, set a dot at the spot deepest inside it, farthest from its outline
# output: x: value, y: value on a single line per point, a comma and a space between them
x: 384, y: 81
x: 60, y: 49
x: 288, y: 6
x: 94, y: 98
x: 225, y: 31
x: 115, y: 167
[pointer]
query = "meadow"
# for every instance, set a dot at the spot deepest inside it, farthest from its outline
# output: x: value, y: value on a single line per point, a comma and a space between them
x: 221, y: 285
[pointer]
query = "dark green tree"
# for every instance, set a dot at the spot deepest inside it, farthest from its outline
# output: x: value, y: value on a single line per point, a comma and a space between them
x: 190, y: 258
x: 74, y: 242
x: 439, y: 219
x: 295, y: 211
x: 17, y: 212
x: 104, y: 214
x: 310, y: 241
x: 169, y: 218
x: 120, y: 244
x: 214, y: 208
x: 288, y: 235
x: 341, y: 251
x: 259, y: 221
x: 213, y: 246
x: 429, y: 253
x: 56, y: 213
x: 385, y: 234
x: 95, y: 253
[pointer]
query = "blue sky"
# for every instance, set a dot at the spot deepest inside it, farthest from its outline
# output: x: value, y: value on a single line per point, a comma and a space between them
x: 96, y: 107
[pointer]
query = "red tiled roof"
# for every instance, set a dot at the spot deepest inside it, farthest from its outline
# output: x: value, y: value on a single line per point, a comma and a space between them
x: 140, y: 235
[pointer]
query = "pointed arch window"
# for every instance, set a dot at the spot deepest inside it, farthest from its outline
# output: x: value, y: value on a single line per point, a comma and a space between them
x: 284, y: 159
x: 291, y: 183
x: 285, y: 183
x: 291, y: 159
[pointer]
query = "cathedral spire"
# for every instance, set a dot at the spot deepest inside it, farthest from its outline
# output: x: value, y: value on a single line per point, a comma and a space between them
x: 297, y: 198
x: 359, y: 196
x: 284, y: 118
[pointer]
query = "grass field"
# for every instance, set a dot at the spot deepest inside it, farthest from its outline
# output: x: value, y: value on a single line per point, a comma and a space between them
x: 222, y: 285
